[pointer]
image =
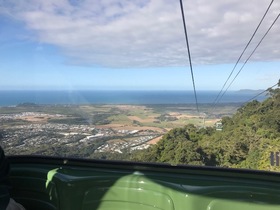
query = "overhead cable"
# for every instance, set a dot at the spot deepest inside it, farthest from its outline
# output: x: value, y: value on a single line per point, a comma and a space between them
x: 260, y: 93
x: 249, y: 57
x: 216, y: 99
x: 189, y: 53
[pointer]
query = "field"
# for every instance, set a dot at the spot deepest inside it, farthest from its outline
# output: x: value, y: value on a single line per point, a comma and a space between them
x: 128, y: 117
x: 95, y: 129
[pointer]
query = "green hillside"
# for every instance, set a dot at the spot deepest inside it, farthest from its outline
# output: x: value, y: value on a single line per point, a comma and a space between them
x: 246, y: 140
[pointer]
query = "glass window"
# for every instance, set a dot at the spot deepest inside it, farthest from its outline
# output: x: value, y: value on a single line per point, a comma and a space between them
x: 111, y: 80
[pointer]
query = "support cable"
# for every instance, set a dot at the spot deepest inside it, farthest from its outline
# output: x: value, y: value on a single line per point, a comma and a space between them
x: 260, y: 93
x: 189, y: 53
x: 216, y: 99
x: 249, y: 57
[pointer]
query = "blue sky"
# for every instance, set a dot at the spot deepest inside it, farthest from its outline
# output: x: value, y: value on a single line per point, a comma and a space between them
x: 134, y: 44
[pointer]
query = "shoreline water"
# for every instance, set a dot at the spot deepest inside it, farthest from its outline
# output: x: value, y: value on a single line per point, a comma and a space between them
x: 15, y: 97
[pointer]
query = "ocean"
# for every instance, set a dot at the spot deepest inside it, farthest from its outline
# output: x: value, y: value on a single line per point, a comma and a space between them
x: 15, y: 97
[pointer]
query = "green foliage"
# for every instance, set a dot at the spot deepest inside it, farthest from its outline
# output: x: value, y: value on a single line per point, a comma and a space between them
x: 175, y: 147
x: 246, y: 141
x: 70, y: 121
x: 166, y: 117
x: 97, y: 119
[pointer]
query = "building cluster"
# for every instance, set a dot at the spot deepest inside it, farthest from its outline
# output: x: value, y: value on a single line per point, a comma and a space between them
x: 23, y: 136
x: 137, y: 144
x: 27, y: 114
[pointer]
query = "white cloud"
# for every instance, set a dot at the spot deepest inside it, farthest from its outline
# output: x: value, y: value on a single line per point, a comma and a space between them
x: 148, y: 33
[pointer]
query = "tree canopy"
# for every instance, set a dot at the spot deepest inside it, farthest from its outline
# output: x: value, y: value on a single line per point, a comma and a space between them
x: 246, y: 140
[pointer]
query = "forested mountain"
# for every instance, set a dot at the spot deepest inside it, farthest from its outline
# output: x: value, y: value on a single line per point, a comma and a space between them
x: 246, y: 140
